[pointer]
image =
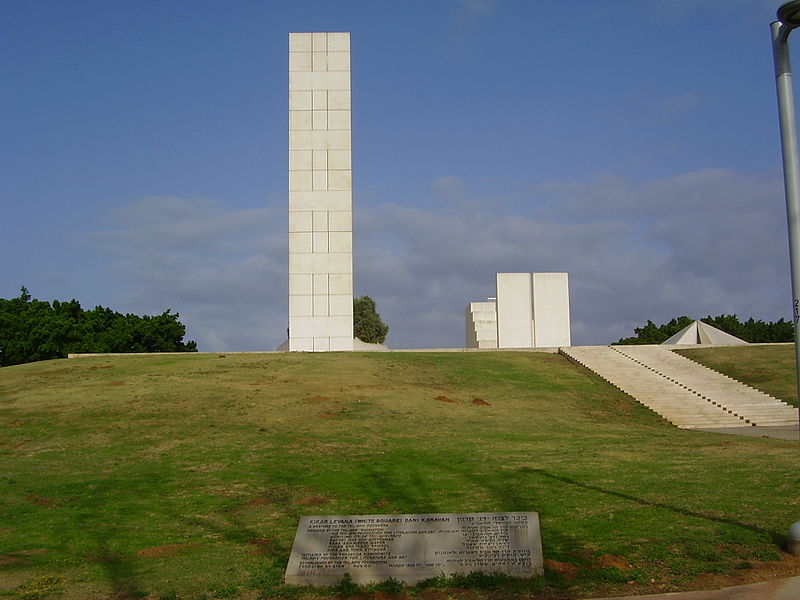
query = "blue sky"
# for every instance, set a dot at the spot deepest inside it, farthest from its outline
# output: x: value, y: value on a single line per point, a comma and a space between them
x: 631, y: 143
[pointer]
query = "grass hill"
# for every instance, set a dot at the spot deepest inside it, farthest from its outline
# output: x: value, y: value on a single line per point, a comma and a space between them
x: 170, y: 477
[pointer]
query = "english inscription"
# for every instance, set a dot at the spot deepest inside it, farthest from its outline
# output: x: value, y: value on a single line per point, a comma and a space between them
x: 410, y: 548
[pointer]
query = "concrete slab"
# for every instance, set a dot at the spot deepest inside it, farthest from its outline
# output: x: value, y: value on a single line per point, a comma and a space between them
x: 780, y: 432
x: 781, y: 589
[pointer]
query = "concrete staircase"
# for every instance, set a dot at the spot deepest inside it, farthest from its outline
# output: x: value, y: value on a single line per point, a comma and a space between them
x: 682, y: 391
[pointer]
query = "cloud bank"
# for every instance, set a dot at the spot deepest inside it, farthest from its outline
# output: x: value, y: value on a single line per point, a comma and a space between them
x: 705, y: 242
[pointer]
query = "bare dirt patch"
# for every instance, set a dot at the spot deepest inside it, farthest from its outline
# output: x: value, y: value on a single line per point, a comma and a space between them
x: 15, y: 558
x: 40, y: 501
x: 32, y: 552
x: 567, y: 570
x: 261, y: 546
x: 54, y: 372
x: 18, y: 445
x: 480, y: 402
x: 114, y: 383
x: 317, y: 399
x: 444, y: 399
x: 95, y: 367
x: 312, y: 500
x: 259, y: 501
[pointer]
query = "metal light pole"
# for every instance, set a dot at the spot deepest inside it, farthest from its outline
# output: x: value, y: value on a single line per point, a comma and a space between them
x: 788, y: 19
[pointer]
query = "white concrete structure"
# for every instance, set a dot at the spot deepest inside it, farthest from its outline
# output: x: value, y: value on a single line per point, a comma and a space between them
x: 481, y: 320
x: 531, y: 310
x: 320, y: 196
x: 698, y: 332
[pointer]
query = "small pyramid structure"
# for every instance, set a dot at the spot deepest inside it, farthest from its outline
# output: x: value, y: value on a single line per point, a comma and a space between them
x: 698, y: 332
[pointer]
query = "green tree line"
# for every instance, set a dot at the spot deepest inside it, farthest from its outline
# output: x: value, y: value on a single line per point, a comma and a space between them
x: 32, y: 330
x: 750, y: 331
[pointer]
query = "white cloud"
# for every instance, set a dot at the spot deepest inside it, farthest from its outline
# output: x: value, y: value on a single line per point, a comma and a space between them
x: 477, y: 8
x: 711, y: 241
x: 449, y: 186
x: 706, y: 242
x: 680, y: 102
x: 681, y: 10
x: 223, y: 270
x: 467, y: 13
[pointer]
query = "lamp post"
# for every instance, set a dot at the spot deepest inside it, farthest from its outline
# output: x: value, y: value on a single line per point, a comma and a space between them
x: 788, y: 19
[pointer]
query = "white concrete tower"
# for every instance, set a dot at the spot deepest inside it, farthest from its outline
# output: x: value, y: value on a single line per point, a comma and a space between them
x: 320, y: 193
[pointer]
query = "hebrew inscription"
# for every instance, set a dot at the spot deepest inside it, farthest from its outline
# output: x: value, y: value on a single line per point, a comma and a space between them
x: 410, y: 548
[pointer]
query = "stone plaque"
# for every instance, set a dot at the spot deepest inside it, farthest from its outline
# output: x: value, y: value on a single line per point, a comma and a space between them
x: 410, y: 548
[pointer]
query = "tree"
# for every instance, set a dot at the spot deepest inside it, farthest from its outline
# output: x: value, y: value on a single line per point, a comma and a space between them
x: 656, y: 334
x: 750, y: 331
x: 367, y: 323
x: 32, y: 330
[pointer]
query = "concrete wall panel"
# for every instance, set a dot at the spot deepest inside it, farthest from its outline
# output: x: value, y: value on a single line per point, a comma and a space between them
x: 336, y: 326
x: 340, y: 220
x: 300, y: 242
x: 514, y: 310
x: 341, y: 283
x: 300, y: 100
x: 551, y: 309
x: 300, y: 221
x: 341, y: 343
x: 320, y: 200
x: 301, y: 284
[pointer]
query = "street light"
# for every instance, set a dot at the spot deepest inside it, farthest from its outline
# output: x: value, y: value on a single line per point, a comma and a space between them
x: 789, y: 13
x: 788, y: 19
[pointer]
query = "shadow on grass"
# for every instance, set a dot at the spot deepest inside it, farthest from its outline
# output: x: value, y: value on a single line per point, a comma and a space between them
x: 119, y: 570
x: 775, y: 536
x: 234, y: 530
x: 408, y: 491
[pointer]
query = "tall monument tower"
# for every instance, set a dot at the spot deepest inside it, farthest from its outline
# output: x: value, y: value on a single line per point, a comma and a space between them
x: 320, y: 193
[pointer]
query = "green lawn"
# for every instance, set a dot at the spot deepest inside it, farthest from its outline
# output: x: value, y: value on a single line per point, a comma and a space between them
x: 171, y: 477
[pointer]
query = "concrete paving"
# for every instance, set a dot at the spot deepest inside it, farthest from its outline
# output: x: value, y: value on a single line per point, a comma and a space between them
x: 781, y: 589
x: 780, y: 432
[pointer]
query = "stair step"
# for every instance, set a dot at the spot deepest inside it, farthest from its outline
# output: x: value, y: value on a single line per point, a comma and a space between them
x: 685, y: 393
